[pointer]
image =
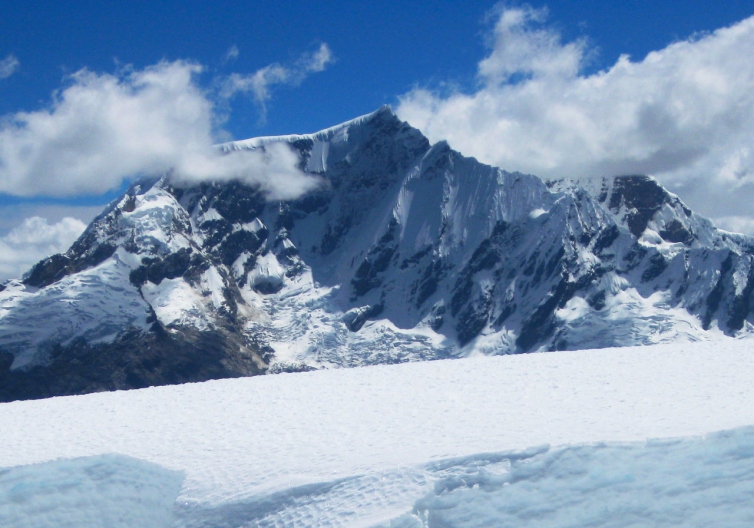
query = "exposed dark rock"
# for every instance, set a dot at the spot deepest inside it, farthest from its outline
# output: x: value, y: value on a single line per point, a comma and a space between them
x: 282, y: 367
x: 603, y: 192
x: 635, y: 256
x: 316, y: 201
x: 741, y: 305
x: 217, y: 231
x: 642, y: 196
x: 675, y: 232
x: 716, y: 295
x: 268, y: 285
x: 416, y: 258
x: 355, y: 319
x: 285, y: 218
x: 48, y: 271
x: 426, y: 286
x: 541, y: 324
x: 239, y: 242
x: 377, y: 260
x: 597, y: 300
x: 485, y: 257
x: 554, y: 262
x: 437, y: 317
x: 656, y: 265
x: 472, y: 319
x: 606, y: 238
x: 6, y: 360
x: 182, y: 263
x: 134, y: 361
x: 507, y: 311
x: 473, y: 310
x: 238, y: 203
x: 334, y: 235
x: 265, y: 351
x: 304, y: 147
x: 56, y: 267
x: 129, y: 204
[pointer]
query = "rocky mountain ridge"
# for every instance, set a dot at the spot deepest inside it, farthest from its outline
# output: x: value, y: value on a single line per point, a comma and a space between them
x: 410, y: 251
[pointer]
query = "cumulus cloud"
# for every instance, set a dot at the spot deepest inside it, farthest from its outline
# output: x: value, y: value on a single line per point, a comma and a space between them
x: 33, y: 240
x: 684, y: 114
x: 518, y: 48
x: 11, y: 213
x: 260, y: 83
x: 103, y: 129
x: 8, y: 66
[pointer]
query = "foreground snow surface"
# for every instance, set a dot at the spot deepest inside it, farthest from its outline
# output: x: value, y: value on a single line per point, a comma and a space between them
x: 444, y: 443
x: 106, y: 490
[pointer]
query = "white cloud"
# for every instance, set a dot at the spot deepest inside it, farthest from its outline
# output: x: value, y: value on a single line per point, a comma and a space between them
x: 260, y: 83
x: 8, y: 66
x: 273, y: 167
x: 684, y: 114
x: 518, y: 49
x: 104, y: 129
x: 10, y: 214
x: 231, y: 54
x: 33, y: 240
x: 736, y: 224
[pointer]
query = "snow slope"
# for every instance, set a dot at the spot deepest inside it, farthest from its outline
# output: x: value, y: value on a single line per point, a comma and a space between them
x: 358, y: 447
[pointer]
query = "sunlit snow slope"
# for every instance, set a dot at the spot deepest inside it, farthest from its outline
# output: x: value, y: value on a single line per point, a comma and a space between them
x: 358, y: 447
x: 407, y: 252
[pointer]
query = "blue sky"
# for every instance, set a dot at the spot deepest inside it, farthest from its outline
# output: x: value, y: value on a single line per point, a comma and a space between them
x: 265, y: 68
x: 382, y: 48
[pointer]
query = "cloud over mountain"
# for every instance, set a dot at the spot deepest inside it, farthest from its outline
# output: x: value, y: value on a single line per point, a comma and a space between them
x: 103, y: 129
x: 682, y: 114
x: 33, y: 240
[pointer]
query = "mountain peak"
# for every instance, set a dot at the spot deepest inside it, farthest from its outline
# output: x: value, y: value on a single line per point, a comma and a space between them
x: 409, y: 252
x: 383, y: 113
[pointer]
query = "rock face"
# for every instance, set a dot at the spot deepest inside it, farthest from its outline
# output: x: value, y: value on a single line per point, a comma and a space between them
x: 410, y: 251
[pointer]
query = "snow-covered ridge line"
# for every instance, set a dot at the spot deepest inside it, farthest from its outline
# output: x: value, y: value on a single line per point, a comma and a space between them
x: 325, y: 134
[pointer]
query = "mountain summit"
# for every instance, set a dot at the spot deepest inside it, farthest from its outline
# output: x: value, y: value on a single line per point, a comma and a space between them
x: 410, y: 251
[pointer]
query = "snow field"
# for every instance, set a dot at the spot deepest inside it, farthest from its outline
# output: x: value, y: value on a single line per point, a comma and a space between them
x: 356, y: 447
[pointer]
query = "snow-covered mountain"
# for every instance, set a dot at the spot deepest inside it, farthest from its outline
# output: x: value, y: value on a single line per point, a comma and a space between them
x: 410, y: 251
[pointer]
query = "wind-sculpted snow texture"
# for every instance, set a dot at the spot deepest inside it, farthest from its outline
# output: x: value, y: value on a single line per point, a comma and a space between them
x: 409, y: 251
x: 438, y: 443
x: 694, y: 482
